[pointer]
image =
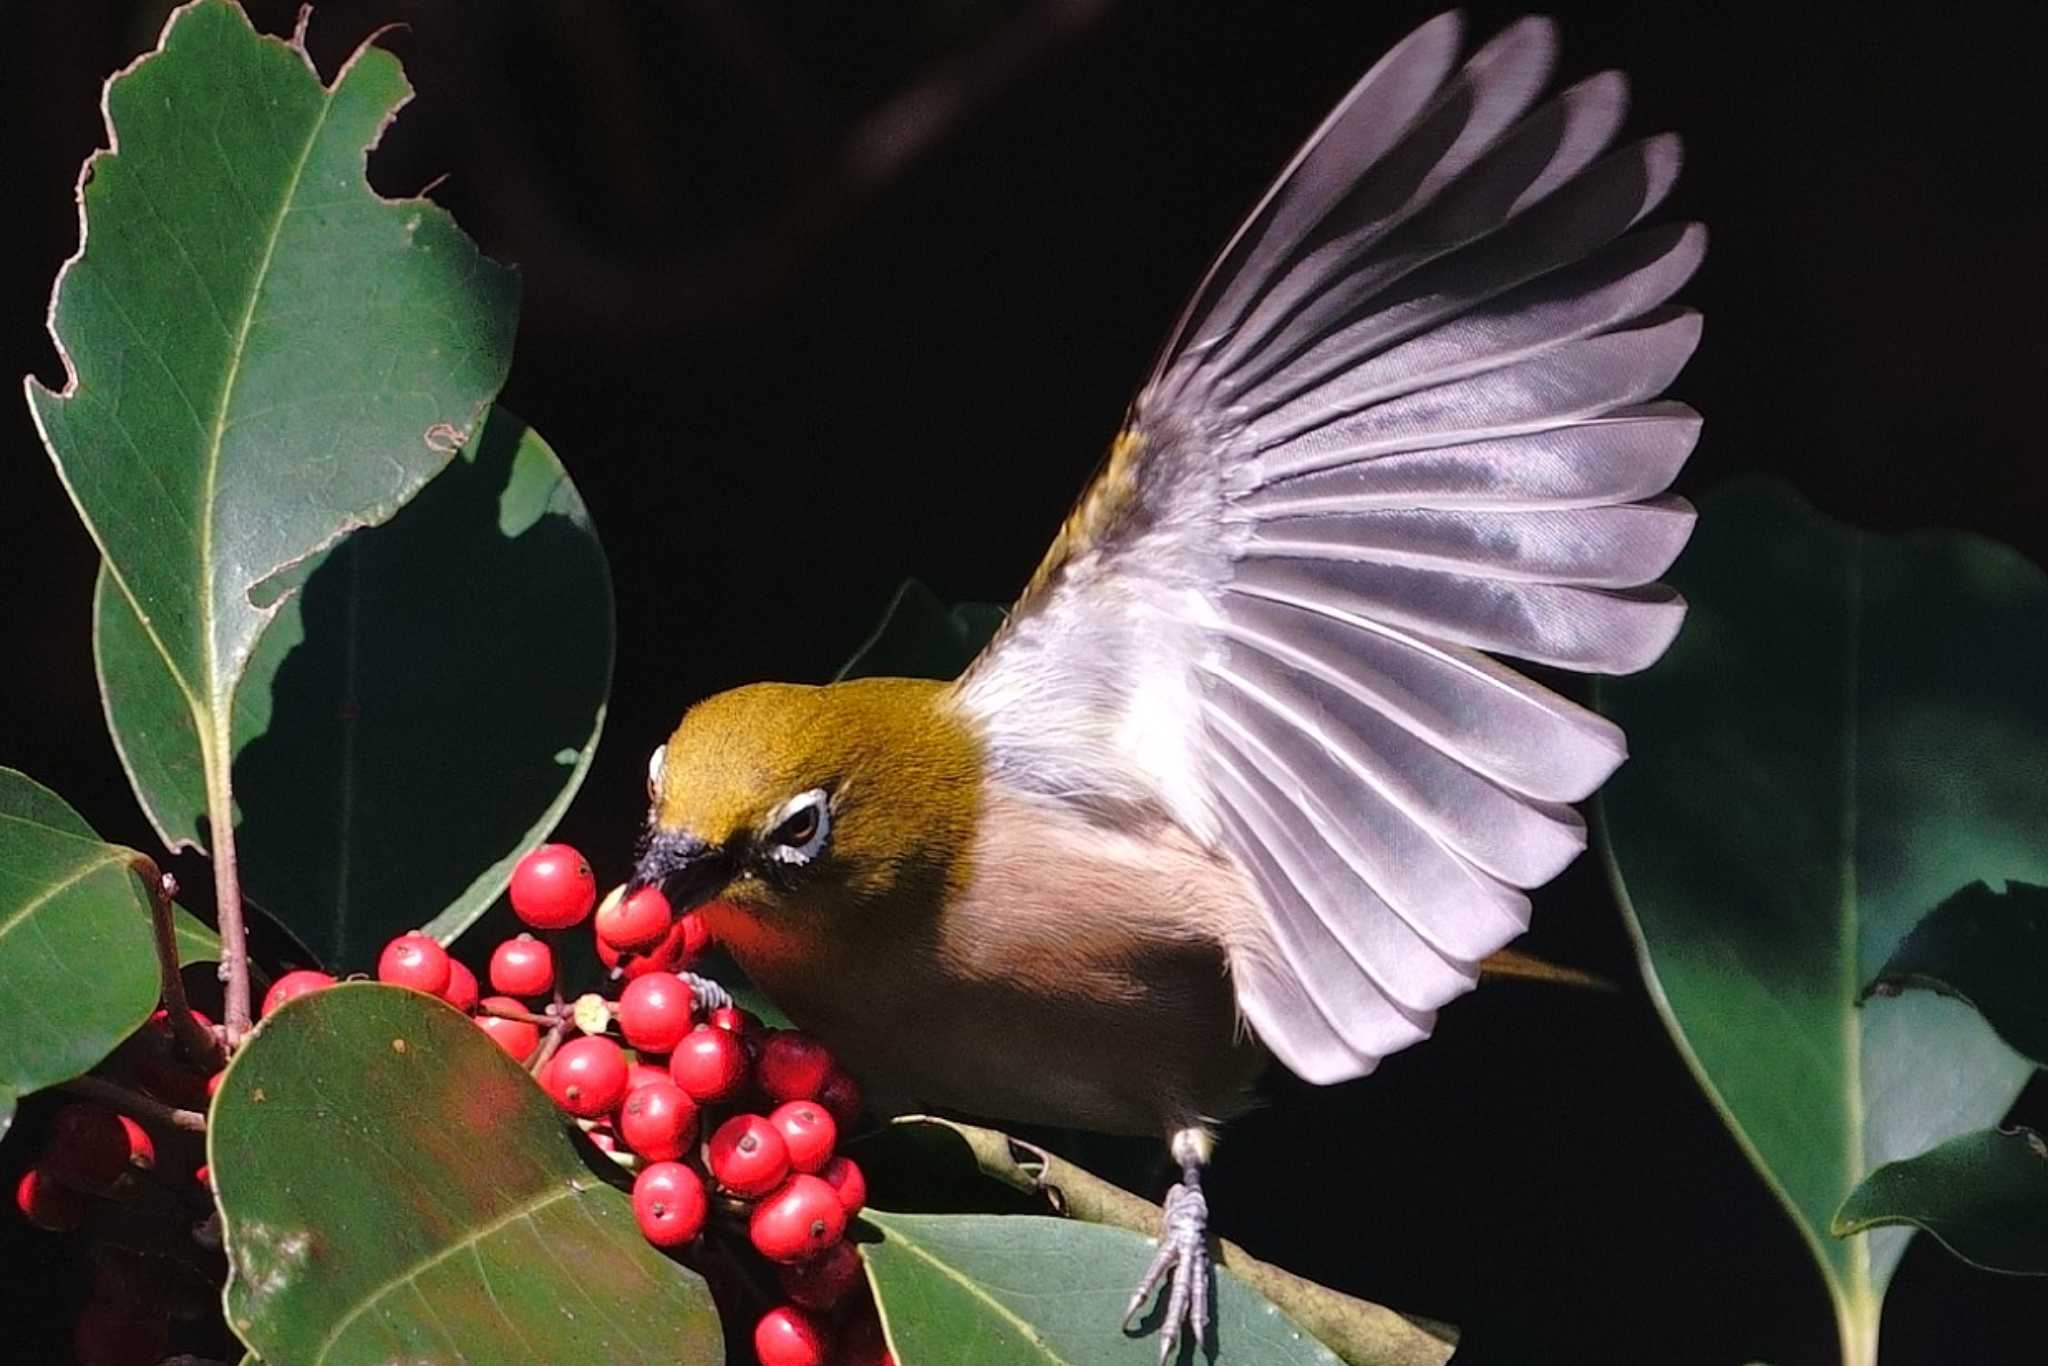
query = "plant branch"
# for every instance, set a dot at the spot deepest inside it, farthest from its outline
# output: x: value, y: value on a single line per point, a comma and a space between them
x: 532, y: 1017
x: 134, y: 1104
x: 227, y: 890
x: 195, y: 1041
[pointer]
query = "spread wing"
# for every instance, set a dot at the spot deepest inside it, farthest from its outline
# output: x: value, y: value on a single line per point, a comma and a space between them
x: 1409, y: 421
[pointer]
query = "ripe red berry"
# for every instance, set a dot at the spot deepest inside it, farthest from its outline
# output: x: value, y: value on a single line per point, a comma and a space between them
x: 654, y: 1011
x: 801, y: 1219
x: 788, y: 1336
x: 461, y: 991
x: 642, y: 1073
x: 807, y: 1131
x: 48, y: 1203
x: 517, y: 1037
x: 552, y: 888
x: 639, y: 921
x: 142, y: 1148
x: 522, y: 967
x: 669, y: 1203
x: 414, y: 960
x: 203, y: 1174
x: 213, y: 1083
x: 826, y: 1279
x: 658, y: 1121
x: 292, y: 986
x: 792, y: 1065
x: 748, y: 1156
x: 840, y: 1095
x: 740, y: 1022
x: 844, y: 1176
x: 690, y: 937
x: 587, y: 1076
x: 87, y: 1147
x: 710, y: 1064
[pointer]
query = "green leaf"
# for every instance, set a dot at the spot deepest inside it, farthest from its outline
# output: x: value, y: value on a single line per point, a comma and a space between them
x: 920, y: 637
x: 263, y: 354
x: 1983, y: 1195
x: 197, y: 942
x: 78, y: 969
x: 1012, y: 1289
x: 1988, y: 948
x: 419, y: 715
x: 1849, y: 727
x: 393, y: 1187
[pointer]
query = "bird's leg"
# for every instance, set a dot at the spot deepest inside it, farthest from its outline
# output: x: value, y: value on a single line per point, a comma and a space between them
x: 1183, y: 1260
x: 714, y: 996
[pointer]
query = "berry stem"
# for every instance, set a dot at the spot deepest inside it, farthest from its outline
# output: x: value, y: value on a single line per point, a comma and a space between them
x: 134, y: 1104
x: 557, y: 1031
x: 198, y: 1043
x: 516, y: 1013
x: 227, y: 888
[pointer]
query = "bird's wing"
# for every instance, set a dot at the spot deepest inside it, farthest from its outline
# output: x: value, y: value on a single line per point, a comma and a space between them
x: 1408, y: 421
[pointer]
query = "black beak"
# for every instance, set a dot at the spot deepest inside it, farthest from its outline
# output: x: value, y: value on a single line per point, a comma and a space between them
x: 688, y: 871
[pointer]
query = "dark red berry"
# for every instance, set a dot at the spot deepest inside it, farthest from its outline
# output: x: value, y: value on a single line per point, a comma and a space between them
x: 587, y: 1076
x: 792, y: 1065
x: 741, y: 1022
x: 642, y: 1073
x: 801, y: 1219
x: 88, y: 1146
x: 669, y: 1203
x: 843, y: 1175
x: 861, y: 1342
x: 552, y: 888
x: 48, y: 1203
x: 639, y: 921
x: 788, y: 1336
x: 461, y: 991
x: 825, y: 1280
x: 748, y: 1156
x: 292, y: 986
x: 709, y: 1064
x: 658, y: 1121
x: 840, y: 1095
x: 522, y: 967
x: 807, y: 1131
x: 654, y: 1011
x: 517, y: 1037
x: 414, y: 960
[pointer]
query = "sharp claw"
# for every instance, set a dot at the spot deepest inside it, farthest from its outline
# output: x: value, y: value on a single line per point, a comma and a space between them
x: 1184, y: 1252
x: 1149, y: 1282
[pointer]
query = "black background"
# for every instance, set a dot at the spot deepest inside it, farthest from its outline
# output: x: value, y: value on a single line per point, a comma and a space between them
x: 785, y: 378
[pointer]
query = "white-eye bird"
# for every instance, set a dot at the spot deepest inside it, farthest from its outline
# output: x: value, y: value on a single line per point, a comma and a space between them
x: 1240, y: 776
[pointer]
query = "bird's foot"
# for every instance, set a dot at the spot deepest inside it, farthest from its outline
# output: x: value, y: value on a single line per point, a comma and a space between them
x: 1184, y: 1263
x: 714, y: 996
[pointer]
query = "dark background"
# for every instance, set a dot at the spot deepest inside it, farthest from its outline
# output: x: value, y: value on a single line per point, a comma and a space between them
x: 821, y: 296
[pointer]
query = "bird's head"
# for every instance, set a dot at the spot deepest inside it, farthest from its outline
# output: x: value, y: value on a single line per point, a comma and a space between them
x: 786, y: 801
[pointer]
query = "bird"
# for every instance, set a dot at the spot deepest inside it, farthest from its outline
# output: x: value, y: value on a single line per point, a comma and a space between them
x: 1244, y: 774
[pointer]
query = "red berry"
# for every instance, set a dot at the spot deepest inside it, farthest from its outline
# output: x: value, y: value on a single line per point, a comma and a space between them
x: 88, y: 1147
x: 414, y: 960
x: 826, y: 1279
x: 801, y: 1219
x: 203, y: 1174
x: 748, y: 1156
x: 587, y: 1076
x: 808, y: 1132
x: 669, y: 1203
x: 120, y: 1335
x: 674, y: 952
x: 522, y: 967
x: 639, y: 921
x: 690, y: 937
x: 788, y: 1336
x: 517, y: 1037
x: 792, y: 1066
x: 843, y: 1175
x: 654, y: 1011
x: 642, y: 1073
x: 461, y: 991
x: 840, y: 1095
x: 552, y: 888
x: 292, y: 986
x: 142, y: 1148
x: 658, y: 1121
x: 213, y: 1083
x: 48, y: 1203
x: 732, y: 1018
x: 709, y: 1064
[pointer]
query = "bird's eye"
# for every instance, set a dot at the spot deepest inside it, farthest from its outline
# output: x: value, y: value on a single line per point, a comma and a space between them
x: 654, y: 771
x: 799, y: 828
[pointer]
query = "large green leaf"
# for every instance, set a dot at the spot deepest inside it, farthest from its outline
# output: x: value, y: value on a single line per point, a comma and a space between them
x: 78, y: 969
x: 1983, y: 1195
x: 1990, y: 949
x: 919, y: 636
x: 395, y: 1188
x: 1014, y: 1289
x: 1849, y: 728
x: 420, y: 713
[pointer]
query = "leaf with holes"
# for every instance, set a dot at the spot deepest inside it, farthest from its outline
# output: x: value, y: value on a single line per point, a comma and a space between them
x: 386, y: 774
x: 393, y: 1187
x: 78, y: 969
x: 262, y: 353
x: 919, y: 636
x: 1983, y: 1195
x: 1849, y: 728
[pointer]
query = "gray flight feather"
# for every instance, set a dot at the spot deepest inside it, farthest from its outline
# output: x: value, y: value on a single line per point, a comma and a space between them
x: 1410, y: 419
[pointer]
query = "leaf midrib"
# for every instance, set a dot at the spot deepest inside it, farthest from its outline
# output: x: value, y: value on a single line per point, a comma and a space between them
x: 43, y: 898
x: 1025, y: 1330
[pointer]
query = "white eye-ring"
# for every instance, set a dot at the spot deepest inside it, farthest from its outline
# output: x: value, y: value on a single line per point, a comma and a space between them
x: 800, y: 827
x: 654, y: 771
